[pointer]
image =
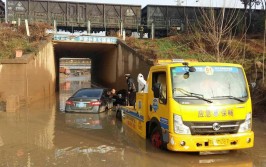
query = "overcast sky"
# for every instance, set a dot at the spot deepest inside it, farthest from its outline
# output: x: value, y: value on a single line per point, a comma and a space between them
x: 143, y: 3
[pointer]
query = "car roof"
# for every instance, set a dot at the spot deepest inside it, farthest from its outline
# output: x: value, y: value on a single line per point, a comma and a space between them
x: 100, y: 91
x: 92, y: 89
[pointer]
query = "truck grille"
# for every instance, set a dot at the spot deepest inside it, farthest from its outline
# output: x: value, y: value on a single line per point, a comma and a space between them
x: 212, y: 128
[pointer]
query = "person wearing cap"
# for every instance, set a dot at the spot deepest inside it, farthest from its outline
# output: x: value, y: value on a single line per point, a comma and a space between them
x: 131, y: 88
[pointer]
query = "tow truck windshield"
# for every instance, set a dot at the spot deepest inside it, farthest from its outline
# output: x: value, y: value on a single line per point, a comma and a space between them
x: 209, y: 84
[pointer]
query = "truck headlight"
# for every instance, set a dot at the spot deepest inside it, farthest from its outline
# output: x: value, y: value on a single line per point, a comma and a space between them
x: 179, y: 127
x: 246, y: 126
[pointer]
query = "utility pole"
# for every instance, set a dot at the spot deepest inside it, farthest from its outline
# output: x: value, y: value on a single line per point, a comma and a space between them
x: 6, y: 11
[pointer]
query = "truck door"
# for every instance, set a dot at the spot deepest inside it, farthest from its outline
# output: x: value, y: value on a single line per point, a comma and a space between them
x: 158, y: 104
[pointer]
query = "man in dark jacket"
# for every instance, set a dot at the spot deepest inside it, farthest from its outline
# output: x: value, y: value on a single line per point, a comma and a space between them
x: 131, y: 88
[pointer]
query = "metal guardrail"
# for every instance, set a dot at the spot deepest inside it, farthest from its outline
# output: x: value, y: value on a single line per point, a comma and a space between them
x: 95, y: 22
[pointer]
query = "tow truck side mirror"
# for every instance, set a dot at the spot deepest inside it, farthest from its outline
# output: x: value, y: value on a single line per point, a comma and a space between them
x: 156, y: 90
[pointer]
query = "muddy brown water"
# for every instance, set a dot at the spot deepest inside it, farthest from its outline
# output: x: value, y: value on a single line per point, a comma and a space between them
x: 40, y: 135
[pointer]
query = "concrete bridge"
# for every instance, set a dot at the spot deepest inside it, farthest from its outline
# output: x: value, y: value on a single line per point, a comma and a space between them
x: 34, y: 76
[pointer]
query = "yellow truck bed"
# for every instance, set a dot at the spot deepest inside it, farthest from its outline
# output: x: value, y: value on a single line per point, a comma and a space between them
x: 136, y: 117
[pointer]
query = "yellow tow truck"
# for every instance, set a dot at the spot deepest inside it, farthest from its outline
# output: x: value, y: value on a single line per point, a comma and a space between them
x: 192, y: 106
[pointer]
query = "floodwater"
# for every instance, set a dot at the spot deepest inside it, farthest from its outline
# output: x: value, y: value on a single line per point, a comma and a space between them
x: 42, y: 135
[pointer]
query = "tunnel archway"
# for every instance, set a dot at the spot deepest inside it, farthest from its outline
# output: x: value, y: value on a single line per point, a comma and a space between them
x: 111, y: 58
x: 103, y: 58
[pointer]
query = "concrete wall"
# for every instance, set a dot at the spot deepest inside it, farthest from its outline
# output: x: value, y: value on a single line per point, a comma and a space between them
x: 103, y: 69
x: 130, y: 62
x: 29, y: 77
x: 109, y: 69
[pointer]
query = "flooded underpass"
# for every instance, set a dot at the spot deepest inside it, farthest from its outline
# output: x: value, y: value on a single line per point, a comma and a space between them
x: 42, y: 134
x: 74, y: 73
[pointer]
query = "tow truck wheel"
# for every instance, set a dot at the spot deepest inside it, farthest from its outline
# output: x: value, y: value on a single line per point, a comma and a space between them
x: 156, y: 138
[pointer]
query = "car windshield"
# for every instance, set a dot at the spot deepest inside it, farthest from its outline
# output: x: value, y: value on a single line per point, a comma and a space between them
x: 88, y: 93
x: 210, y: 82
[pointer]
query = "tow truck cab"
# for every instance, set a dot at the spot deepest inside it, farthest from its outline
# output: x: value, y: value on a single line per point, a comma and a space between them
x: 193, y: 106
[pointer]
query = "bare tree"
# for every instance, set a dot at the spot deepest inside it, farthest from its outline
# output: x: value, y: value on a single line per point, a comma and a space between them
x: 248, y: 4
x: 262, y: 3
x: 258, y: 91
x: 217, y: 28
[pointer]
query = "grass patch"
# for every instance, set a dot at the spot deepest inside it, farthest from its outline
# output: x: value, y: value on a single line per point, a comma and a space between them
x: 14, y: 38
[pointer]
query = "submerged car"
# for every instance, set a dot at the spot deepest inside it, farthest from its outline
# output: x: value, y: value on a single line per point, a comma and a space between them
x: 91, y: 100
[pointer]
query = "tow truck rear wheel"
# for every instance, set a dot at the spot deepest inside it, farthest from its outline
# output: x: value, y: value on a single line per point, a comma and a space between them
x: 157, y: 138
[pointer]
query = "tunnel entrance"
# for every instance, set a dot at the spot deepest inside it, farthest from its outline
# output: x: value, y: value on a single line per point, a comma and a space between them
x: 102, y: 58
x: 74, y: 74
x: 80, y: 65
x: 110, y: 59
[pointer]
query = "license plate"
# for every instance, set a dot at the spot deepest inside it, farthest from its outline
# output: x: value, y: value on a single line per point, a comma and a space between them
x: 81, y: 105
x: 218, y: 142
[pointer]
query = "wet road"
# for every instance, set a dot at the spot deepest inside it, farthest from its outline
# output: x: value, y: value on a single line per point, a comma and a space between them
x: 41, y: 135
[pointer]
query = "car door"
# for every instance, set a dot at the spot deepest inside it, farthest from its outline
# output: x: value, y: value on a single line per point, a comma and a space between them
x: 159, y: 110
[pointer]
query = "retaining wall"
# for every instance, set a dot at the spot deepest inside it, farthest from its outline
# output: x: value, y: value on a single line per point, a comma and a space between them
x: 28, y: 78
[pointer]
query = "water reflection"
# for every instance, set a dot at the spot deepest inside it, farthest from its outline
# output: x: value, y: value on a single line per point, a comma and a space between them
x: 87, y: 121
x: 69, y: 84
x: 147, y: 155
x: 40, y: 135
x: 27, y: 134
